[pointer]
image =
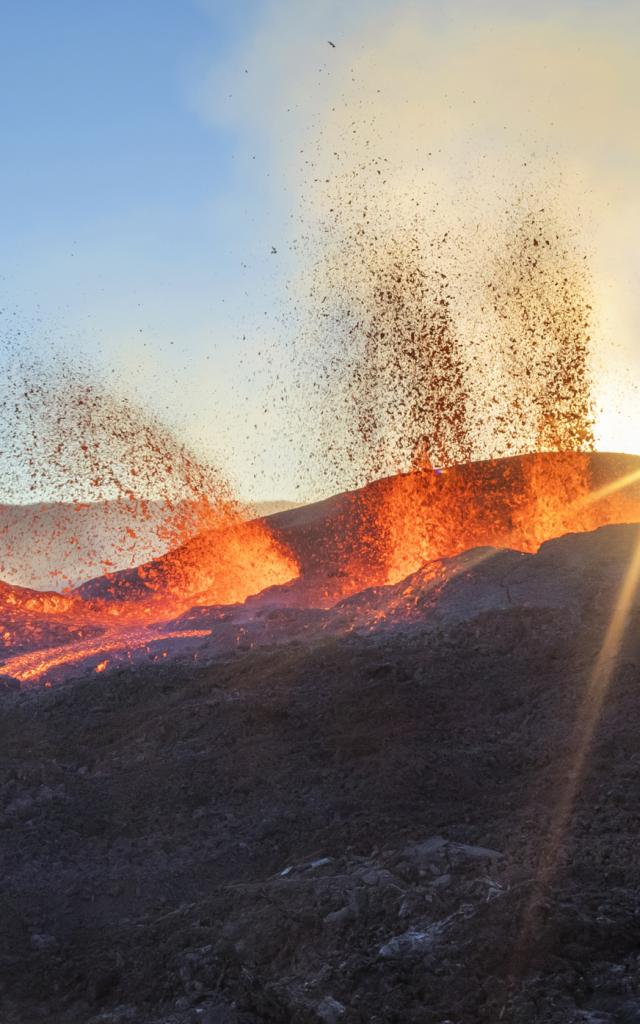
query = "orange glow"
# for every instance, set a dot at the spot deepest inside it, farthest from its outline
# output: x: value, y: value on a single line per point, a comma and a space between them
x: 222, y: 560
x: 378, y: 535
x: 219, y: 566
x: 517, y: 503
x: 215, y: 556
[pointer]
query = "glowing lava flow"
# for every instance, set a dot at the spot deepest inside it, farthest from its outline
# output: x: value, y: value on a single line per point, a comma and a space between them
x: 41, y: 633
x: 36, y: 665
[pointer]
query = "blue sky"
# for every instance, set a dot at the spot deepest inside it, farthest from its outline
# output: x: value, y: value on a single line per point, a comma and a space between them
x: 128, y: 215
x: 151, y: 160
x: 109, y: 170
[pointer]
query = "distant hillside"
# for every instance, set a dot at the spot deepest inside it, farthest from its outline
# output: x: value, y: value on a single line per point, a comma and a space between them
x: 270, y: 508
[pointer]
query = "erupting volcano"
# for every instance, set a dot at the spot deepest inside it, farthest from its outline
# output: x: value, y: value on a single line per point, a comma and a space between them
x: 319, y: 513
x: 404, y: 389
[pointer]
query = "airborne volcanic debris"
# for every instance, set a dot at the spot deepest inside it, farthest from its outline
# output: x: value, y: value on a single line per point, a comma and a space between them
x: 427, y: 349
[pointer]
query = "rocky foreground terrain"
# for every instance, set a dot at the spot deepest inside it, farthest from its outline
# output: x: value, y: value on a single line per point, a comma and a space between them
x: 377, y: 813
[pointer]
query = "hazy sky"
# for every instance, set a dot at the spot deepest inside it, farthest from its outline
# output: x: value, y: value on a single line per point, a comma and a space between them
x: 155, y: 151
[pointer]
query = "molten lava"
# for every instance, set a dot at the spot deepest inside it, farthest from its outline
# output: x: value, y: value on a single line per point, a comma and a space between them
x: 222, y: 566
x: 40, y: 664
x: 371, y: 537
x: 517, y: 503
x: 147, y: 494
x: 381, y: 533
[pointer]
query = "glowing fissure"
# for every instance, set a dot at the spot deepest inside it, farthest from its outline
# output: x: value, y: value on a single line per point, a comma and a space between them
x: 407, y: 520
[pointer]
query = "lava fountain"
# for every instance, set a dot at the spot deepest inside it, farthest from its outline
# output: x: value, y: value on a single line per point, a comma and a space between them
x: 72, y: 436
x: 455, y: 371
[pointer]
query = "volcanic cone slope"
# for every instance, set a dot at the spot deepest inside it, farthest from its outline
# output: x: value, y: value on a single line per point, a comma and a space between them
x: 389, y: 528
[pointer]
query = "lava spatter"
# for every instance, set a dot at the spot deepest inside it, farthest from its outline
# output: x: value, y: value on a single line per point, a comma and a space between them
x: 147, y: 491
x: 432, y: 347
x: 540, y: 290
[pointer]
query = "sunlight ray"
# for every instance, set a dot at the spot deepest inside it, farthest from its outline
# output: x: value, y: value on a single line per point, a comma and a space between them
x: 608, y: 489
x: 585, y: 728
